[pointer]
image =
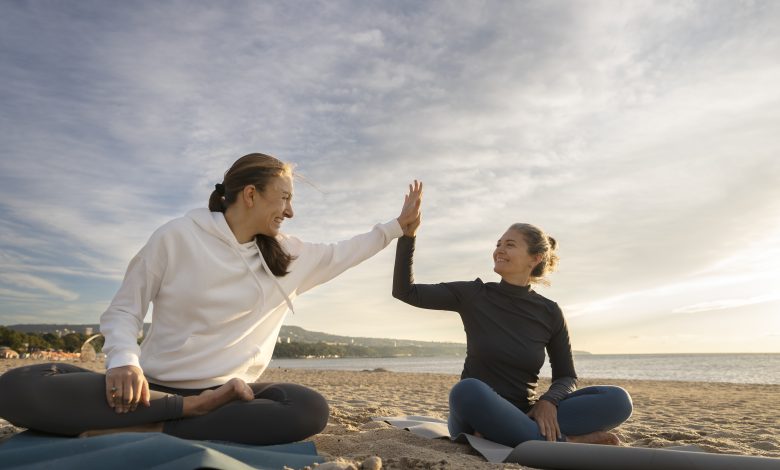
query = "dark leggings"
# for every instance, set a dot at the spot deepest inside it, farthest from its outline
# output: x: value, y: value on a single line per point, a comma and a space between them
x: 474, y: 406
x: 68, y: 400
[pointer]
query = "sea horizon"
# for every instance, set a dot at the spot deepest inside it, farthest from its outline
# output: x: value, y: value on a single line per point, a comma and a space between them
x: 738, y: 368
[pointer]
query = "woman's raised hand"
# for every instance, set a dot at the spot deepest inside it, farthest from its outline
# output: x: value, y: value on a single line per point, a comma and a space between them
x: 125, y: 387
x: 410, y: 213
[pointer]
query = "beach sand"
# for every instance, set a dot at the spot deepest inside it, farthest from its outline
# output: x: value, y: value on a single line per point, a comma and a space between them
x: 718, y: 417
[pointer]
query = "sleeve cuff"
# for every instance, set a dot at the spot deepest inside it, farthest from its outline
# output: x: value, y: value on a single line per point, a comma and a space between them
x: 550, y: 399
x: 122, y: 359
x: 392, y: 229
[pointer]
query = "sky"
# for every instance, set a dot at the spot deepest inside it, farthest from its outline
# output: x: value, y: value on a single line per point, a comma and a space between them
x: 643, y: 136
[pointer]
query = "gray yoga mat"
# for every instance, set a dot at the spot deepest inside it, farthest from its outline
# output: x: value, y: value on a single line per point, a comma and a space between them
x: 572, y: 456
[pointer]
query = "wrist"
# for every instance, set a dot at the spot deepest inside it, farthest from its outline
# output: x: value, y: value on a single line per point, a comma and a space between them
x: 548, y: 400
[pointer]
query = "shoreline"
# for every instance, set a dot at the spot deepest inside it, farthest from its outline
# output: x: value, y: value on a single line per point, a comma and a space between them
x: 718, y: 417
x: 736, y: 369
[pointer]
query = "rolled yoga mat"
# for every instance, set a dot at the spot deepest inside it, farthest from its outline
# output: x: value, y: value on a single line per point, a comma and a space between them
x: 572, y: 456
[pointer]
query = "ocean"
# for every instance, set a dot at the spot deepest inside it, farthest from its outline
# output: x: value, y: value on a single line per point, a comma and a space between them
x: 729, y: 368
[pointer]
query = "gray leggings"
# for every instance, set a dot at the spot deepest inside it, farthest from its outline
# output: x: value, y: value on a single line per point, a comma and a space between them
x: 68, y: 400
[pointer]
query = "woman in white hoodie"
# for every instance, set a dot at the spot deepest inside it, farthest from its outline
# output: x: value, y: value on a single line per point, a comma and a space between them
x: 222, y: 280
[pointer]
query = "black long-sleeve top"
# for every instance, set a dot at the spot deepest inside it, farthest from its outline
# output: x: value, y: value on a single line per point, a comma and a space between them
x: 507, y: 329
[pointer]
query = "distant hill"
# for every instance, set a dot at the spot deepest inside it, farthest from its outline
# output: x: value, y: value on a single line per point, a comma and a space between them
x: 296, y: 334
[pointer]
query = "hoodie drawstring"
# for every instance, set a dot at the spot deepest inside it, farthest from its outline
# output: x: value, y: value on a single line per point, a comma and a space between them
x: 273, y: 278
x: 222, y: 232
x: 268, y: 270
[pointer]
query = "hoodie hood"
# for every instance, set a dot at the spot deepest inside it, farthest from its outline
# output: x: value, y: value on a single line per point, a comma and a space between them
x: 213, y: 223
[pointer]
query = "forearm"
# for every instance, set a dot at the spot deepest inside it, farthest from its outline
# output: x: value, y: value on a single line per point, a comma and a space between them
x: 443, y: 296
x: 403, y: 275
x: 121, y: 332
x: 121, y: 323
x: 323, y: 262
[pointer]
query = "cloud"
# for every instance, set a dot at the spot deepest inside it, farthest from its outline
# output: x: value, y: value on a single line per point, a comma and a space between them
x: 15, y: 295
x: 30, y: 282
x: 723, y: 304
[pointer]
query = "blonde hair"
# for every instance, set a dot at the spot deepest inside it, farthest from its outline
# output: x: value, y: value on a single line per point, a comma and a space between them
x: 539, y: 243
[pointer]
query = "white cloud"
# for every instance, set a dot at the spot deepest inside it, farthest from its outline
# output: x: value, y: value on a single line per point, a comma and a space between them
x: 723, y: 304
x: 15, y: 295
x: 30, y: 282
x: 370, y: 38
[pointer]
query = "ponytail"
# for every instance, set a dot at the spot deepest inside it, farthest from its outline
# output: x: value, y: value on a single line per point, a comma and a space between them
x: 217, y: 198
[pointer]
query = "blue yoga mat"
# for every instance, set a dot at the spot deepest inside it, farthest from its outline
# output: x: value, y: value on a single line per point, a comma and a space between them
x: 30, y: 450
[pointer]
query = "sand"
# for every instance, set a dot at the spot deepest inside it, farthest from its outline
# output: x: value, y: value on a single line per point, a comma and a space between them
x: 718, y: 417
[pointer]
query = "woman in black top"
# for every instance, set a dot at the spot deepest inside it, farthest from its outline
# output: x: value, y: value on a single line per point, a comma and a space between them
x: 508, y: 327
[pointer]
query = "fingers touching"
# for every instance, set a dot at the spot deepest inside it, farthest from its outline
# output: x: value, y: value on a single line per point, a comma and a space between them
x: 410, y: 213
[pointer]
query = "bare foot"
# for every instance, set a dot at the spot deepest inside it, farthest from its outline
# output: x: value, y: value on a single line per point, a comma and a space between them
x: 210, y: 400
x: 154, y: 427
x: 598, y: 437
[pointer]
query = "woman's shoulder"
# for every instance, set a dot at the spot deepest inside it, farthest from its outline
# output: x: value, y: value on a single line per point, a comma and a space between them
x: 170, y: 235
x: 467, y: 289
x: 173, y: 228
x: 551, y: 305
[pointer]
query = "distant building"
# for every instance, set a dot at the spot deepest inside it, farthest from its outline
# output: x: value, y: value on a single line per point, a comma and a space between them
x: 8, y: 353
x: 88, y: 331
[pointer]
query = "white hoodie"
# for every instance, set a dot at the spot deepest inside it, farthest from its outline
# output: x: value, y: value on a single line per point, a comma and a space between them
x: 217, y: 307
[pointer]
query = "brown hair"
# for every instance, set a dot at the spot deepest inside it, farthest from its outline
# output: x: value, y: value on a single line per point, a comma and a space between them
x: 539, y: 243
x: 256, y: 169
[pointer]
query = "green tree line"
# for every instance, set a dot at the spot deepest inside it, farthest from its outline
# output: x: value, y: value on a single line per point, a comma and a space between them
x: 31, y: 342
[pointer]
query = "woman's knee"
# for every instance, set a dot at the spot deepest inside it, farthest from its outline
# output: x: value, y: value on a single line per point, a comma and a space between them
x: 312, y: 409
x: 14, y: 383
x: 468, y: 394
x: 620, y: 401
x: 16, y: 392
x: 319, y: 412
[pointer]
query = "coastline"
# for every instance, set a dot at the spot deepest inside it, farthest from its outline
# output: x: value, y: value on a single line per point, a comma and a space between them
x: 758, y: 368
x: 718, y: 417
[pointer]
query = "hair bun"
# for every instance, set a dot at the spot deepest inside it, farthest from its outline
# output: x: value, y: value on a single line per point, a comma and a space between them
x: 553, y: 243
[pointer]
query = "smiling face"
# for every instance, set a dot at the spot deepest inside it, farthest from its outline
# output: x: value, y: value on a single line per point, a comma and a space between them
x: 511, y: 259
x: 273, y: 205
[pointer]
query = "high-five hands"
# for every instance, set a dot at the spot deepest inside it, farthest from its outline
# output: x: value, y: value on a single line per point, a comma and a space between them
x: 410, y: 213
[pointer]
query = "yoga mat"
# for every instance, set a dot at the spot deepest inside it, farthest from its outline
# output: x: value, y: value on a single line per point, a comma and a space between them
x: 573, y: 456
x: 131, y: 451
